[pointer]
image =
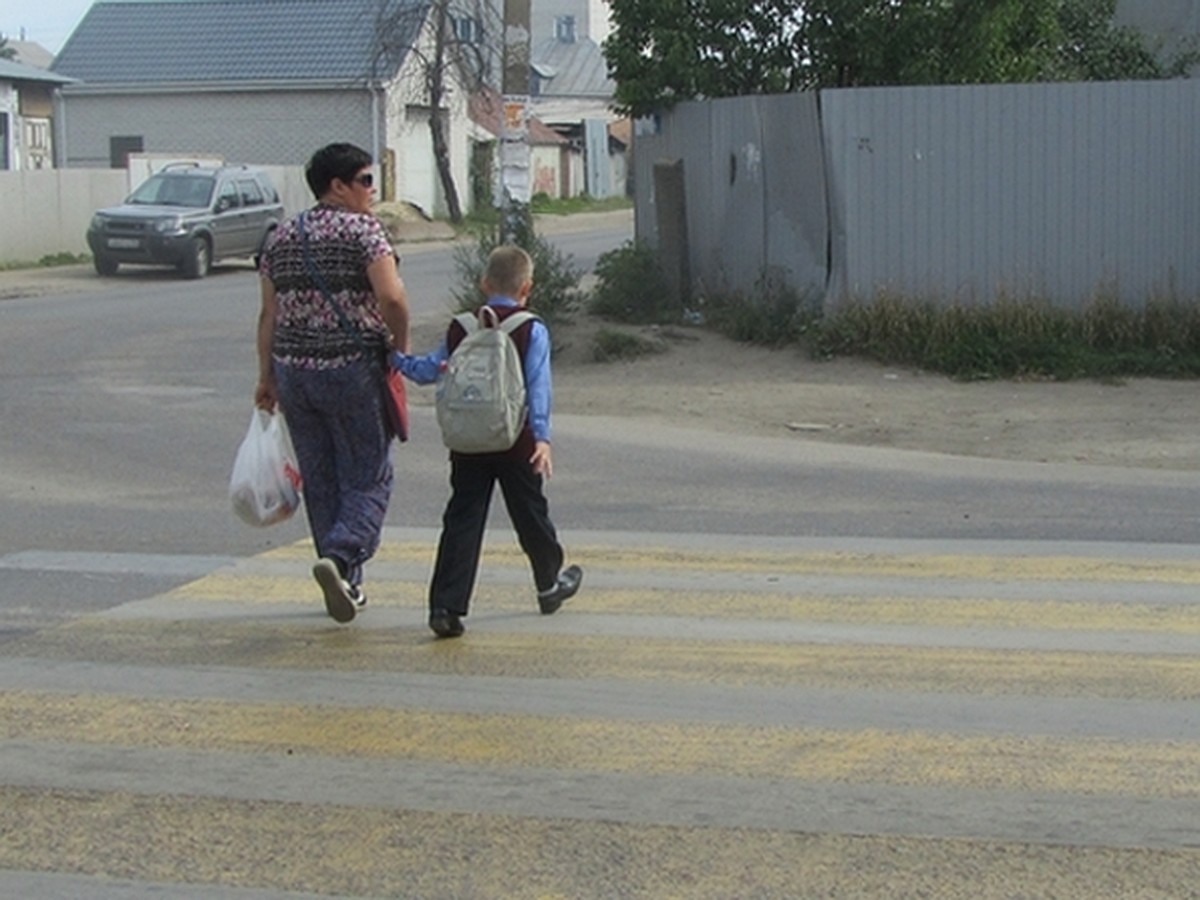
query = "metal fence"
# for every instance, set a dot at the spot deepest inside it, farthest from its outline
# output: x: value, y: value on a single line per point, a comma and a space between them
x: 1056, y: 192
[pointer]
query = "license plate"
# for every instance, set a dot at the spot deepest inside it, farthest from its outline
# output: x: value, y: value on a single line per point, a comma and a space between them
x: 124, y: 243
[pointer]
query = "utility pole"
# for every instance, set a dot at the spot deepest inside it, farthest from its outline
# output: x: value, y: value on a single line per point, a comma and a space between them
x: 514, y: 139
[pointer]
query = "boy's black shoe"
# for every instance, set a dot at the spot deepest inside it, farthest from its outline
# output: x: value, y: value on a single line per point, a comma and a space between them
x: 566, y: 587
x: 445, y: 624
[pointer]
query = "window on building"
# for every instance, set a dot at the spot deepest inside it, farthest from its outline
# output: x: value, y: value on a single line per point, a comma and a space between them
x: 564, y: 29
x: 119, y: 148
x: 467, y: 29
x: 37, y: 135
x: 37, y: 144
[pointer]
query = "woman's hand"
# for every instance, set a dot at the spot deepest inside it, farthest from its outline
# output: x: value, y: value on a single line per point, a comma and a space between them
x: 266, y: 396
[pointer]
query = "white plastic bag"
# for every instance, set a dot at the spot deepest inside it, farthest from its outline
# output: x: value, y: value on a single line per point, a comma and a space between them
x: 265, y: 485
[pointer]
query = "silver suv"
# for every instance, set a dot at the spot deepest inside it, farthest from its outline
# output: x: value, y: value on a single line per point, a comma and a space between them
x: 188, y: 216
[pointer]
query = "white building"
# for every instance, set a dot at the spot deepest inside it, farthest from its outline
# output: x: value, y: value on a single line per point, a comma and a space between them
x: 27, y: 115
x: 570, y: 19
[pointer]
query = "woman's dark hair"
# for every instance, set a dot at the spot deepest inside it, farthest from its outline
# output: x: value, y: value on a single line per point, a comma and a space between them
x: 342, y: 161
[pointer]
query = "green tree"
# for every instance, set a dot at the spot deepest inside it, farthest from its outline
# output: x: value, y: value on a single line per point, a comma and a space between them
x: 664, y: 51
x: 1096, y: 50
x: 927, y: 42
x: 6, y: 52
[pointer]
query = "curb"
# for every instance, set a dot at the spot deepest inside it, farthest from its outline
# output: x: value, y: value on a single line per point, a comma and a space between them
x: 33, y: 282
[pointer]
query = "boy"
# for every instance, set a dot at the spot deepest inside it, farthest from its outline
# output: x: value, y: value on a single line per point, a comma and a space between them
x: 520, y: 470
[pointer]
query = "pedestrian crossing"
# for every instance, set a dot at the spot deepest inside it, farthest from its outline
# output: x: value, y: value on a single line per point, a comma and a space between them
x: 712, y: 716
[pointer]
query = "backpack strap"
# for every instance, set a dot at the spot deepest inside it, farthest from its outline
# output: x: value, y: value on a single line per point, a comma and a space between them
x: 486, y: 318
x: 516, y: 320
x: 467, y: 321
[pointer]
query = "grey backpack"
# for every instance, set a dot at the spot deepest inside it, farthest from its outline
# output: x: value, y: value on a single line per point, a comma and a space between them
x: 481, y: 395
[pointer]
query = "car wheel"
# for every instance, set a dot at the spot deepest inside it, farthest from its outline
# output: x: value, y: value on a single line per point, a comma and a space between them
x: 198, y: 259
x: 105, y: 265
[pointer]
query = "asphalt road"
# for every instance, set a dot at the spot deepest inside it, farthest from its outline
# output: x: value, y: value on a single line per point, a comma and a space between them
x: 123, y: 403
x: 795, y: 670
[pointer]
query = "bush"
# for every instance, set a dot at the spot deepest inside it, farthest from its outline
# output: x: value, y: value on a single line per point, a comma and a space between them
x: 50, y: 260
x: 555, y: 295
x: 631, y: 287
x: 544, y: 204
x: 1011, y: 339
x: 774, y: 316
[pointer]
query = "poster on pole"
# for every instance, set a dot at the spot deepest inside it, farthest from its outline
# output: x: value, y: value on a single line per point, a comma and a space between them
x: 514, y: 149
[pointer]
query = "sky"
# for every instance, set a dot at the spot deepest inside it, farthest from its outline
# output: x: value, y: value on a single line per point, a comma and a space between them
x: 46, y: 22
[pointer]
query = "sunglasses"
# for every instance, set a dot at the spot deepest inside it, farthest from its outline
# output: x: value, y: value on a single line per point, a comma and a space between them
x: 366, y: 179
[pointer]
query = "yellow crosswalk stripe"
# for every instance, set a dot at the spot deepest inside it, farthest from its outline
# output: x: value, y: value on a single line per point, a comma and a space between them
x: 697, y: 723
x: 287, y: 644
x: 349, y: 851
x: 1083, y: 765
x: 1051, y: 614
x: 931, y: 565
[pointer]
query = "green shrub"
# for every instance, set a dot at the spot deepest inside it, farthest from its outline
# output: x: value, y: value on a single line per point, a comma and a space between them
x: 544, y: 204
x: 1010, y: 339
x: 555, y: 295
x: 48, y: 261
x: 63, y: 259
x: 774, y: 315
x: 630, y: 287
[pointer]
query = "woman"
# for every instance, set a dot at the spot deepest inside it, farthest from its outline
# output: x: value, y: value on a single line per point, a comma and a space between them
x: 325, y: 370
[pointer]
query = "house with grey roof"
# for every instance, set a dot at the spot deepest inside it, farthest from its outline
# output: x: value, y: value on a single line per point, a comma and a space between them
x: 570, y: 80
x: 560, y: 18
x: 30, y: 52
x: 26, y: 115
x: 572, y: 93
x: 262, y: 82
x: 555, y: 166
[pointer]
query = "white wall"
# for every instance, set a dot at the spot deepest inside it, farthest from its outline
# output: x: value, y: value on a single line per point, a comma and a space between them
x: 419, y: 182
x: 47, y: 211
x: 8, y: 107
x: 545, y: 170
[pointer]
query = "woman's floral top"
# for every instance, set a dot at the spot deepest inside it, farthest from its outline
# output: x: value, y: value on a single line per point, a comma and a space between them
x: 308, y: 333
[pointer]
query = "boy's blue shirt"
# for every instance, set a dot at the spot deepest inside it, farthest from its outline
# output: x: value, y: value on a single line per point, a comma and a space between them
x: 538, y: 388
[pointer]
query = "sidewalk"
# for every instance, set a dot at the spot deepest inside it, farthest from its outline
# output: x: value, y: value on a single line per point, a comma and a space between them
x: 36, y: 282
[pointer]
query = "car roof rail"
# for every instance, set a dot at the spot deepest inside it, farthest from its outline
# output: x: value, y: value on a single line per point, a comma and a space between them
x: 181, y: 164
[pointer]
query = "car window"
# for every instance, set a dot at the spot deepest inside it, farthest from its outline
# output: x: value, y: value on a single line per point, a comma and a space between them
x: 268, y: 189
x: 228, y: 198
x: 174, y: 190
x: 251, y: 195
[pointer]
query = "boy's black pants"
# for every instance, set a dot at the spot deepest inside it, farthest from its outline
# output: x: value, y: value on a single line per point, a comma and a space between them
x: 465, y: 520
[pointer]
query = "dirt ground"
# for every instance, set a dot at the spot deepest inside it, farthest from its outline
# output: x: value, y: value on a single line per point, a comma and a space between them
x: 705, y: 381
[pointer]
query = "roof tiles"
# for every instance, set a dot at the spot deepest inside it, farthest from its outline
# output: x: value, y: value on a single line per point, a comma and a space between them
x: 177, y: 41
x: 580, y: 69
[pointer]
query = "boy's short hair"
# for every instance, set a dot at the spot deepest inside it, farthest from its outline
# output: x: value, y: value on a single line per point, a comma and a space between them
x: 508, y: 269
x: 341, y: 161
